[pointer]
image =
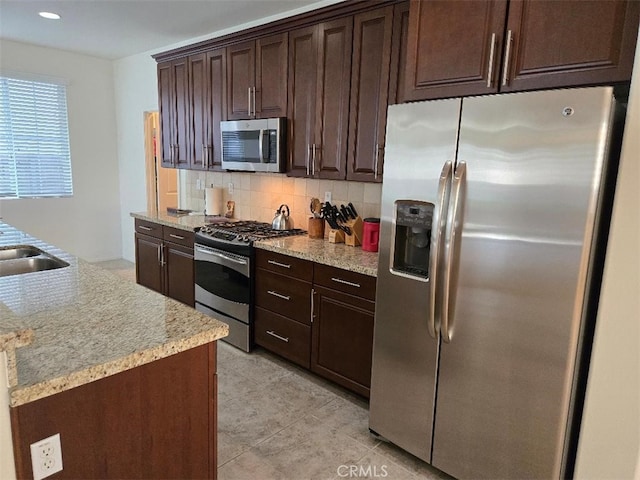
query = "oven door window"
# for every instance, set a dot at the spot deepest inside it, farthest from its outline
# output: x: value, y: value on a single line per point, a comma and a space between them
x: 223, y: 281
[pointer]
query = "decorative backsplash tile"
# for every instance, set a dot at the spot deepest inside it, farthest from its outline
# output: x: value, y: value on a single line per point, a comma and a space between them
x: 258, y: 195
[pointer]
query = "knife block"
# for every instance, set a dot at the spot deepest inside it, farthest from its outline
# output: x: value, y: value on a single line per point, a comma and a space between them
x: 355, y: 239
x: 336, y: 236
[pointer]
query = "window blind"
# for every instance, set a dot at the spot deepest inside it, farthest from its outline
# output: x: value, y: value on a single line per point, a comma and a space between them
x: 35, y: 159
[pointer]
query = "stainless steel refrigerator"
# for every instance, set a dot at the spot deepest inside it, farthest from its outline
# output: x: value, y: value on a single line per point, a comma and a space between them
x: 487, y: 281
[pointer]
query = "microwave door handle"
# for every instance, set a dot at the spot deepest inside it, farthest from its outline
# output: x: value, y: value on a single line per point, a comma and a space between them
x: 260, y: 145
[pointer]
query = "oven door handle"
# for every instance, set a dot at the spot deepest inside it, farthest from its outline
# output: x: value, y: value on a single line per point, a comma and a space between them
x: 220, y: 255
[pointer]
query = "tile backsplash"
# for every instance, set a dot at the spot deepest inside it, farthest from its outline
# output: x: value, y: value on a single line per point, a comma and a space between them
x: 258, y: 195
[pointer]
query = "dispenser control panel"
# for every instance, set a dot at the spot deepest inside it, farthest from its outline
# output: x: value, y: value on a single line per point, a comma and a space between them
x: 412, y: 214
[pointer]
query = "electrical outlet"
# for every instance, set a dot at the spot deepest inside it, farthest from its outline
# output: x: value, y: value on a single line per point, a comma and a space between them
x: 327, y: 197
x: 198, y: 184
x: 230, y: 188
x: 46, y: 457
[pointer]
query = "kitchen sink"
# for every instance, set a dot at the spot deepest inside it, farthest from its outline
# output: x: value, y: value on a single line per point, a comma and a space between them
x: 27, y: 259
x: 19, y: 251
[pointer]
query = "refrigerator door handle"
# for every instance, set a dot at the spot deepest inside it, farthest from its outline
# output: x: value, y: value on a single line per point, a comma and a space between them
x: 452, y: 241
x: 439, y: 222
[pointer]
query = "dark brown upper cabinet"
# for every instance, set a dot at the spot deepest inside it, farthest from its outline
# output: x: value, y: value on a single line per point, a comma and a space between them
x: 257, y: 78
x: 372, y: 32
x: 173, y: 94
x: 559, y: 43
x: 207, y: 74
x: 487, y: 46
x: 399, y: 53
x: 452, y: 47
x: 319, y: 85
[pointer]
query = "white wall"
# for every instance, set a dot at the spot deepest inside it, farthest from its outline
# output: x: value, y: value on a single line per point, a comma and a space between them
x: 610, y: 438
x: 86, y: 224
x: 136, y: 92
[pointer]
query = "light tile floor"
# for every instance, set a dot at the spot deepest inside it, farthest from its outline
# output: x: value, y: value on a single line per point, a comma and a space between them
x: 279, y: 421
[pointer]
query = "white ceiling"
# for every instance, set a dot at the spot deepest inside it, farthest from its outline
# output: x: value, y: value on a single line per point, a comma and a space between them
x: 119, y: 28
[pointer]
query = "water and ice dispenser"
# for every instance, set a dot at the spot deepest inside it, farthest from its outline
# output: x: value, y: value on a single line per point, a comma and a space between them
x: 412, y: 237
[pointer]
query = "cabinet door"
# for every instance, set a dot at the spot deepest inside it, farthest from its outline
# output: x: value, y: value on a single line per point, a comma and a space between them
x: 217, y: 104
x: 183, y: 152
x: 179, y: 273
x: 342, y: 339
x: 303, y: 57
x: 369, y: 93
x: 198, y: 87
x: 453, y: 47
x: 166, y: 96
x: 270, y: 94
x: 329, y: 149
x: 399, y: 40
x: 241, y: 74
x: 149, y: 271
x: 568, y: 42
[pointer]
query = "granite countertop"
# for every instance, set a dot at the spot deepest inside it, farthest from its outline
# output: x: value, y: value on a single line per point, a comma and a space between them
x: 183, y: 222
x: 317, y: 250
x: 321, y: 251
x: 67, y: 327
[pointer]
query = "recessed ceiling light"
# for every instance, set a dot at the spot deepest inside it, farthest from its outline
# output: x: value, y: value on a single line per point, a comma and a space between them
x: 49, y: 15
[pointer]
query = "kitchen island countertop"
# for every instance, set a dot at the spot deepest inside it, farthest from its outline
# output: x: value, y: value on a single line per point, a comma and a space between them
x: 70, y: 326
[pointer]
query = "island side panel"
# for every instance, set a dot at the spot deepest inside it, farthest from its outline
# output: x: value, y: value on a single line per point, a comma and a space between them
x: 153, y: 421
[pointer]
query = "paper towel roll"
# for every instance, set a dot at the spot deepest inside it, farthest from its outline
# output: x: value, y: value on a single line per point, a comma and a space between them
x: 213, y: 201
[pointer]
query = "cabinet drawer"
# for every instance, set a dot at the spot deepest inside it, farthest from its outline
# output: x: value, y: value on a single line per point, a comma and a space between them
x: 284, y: 264
x: 345, y: 281
x: 285, y: 337
x: 148, y: 228
x: 285, y: 295
x: 181, y: 237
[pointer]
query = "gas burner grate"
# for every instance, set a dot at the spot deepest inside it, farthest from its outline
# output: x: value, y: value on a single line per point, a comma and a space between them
x: 245, y: 231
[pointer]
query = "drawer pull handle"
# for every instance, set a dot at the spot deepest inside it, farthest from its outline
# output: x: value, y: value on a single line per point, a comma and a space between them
x: 278, y: 264
x: 279, y: 295
x: 142, y: 227
x: 179, y: 237
x: 274, y: 334
x: 339, y: 280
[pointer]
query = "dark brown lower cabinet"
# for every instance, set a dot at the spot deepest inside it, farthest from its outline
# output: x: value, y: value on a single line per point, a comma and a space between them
x: 164, y: 260
x: 157, y: 420
x: 148, y: 267
x: 284, y: 336
x: 179, y: 276
x: 342, y: 339
x: 317, y: 316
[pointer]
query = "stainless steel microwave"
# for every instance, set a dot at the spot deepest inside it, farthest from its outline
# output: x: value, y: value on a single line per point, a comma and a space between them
x: 254, y: 145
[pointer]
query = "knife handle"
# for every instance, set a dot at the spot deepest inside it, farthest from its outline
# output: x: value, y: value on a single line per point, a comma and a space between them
x: 353, y: 210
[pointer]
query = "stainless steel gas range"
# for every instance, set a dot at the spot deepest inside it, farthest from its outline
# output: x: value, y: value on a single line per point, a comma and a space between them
x: 224, y: 256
